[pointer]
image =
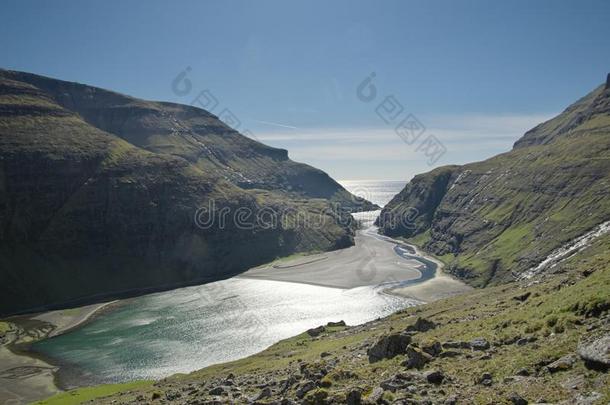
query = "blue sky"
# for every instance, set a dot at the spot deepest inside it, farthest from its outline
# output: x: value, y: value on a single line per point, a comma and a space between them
x: 476, y: 74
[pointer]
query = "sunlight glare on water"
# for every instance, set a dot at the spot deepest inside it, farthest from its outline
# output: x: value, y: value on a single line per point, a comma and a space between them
x: 189, y: 328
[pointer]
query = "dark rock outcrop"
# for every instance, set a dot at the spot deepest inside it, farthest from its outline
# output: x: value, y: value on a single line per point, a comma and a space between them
x: 313, y: 332
x: 421, y: 325
x: 479, y: 344
x: 416, y: 358
x: 435, y: 377
x: 388, y: 347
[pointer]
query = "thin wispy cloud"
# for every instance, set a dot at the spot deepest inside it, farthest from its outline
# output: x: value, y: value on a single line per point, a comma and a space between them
x: 465, y: 137
x: 276, y: 124
x: 450, y: 128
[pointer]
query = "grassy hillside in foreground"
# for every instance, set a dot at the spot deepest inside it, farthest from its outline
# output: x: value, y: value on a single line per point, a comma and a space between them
x: 494, y: 219
x: 529, y: 326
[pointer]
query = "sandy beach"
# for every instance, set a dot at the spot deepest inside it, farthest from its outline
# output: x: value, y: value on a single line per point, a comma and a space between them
x: 373, y: 260
x: 24, y: 378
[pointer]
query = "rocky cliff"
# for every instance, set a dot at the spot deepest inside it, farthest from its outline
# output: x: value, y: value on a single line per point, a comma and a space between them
x: 101, y: 194
x: 494, y: 219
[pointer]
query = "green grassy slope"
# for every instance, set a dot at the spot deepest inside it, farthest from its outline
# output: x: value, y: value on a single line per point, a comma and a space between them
x: 504, y: 215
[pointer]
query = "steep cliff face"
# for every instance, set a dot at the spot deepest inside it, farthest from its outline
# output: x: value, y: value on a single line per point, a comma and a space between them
x: 492, y: 220
x: 102, y: 194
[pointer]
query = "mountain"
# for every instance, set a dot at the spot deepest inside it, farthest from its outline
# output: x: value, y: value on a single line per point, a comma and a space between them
x: 493, y: 220
x: 103, y: 194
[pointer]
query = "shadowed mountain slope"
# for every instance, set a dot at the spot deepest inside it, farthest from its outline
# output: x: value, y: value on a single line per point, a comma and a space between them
x: 100, y: 196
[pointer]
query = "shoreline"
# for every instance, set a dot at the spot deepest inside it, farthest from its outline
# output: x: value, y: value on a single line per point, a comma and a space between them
x: 429, y: 284
x: 25, y: 375
x: 441, y: 285
x: 418, y: 276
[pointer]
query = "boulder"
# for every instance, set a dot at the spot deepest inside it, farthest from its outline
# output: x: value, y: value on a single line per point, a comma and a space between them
x: 433, y: 349
x: 596, y: 354
x: 523, y: 372
x: 375, y: 395
x: 335, y: 324
x: 455, y: 345
x: 217, y: 391
x: 313, y: 332
x: 265, y: 393
x: 421, y: 325
x: 564, y: 363
x: 399, y: 381
x: 354, y: 397
x: 305, y: 388
x: 448, y: 353
x: 434, y: 377
x: 388, y: 347
x: 517, y: 399
x: 479, y: 344
x: 416, y: 358
x: 485, y: 379
x: 522, y: 297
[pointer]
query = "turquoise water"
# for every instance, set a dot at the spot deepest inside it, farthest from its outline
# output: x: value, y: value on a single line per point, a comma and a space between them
x: 160, y: 334
x: 182, y: 330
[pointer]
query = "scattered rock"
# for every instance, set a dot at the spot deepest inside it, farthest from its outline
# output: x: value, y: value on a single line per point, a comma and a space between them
x: 588, y: 398
x: 433, y: 349
x: 526, y: 340
x: 375, y: 395
x: 452, y: 400
x: 524, y: 372
x: 479, y: 344
x: 172, y: 395
x: 435, y: 377
x: 456, y: 345
x: 485, y: 379
x: 324, y: 354
x: 388, y: 347
x: 576, y: 382
x: 564, y: 363
x: 353, y: 397
x: 335, y: 324
x: 305, y: 388
x: 449, y: 353
x: 265, y: 393
x: 313, y: 332
x: 517, y: 399
x: 217, y: 390
x: 596, y: 354
x: 416, y: 358
x: 421, y: 325
x: 522, y: 297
